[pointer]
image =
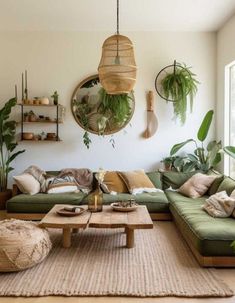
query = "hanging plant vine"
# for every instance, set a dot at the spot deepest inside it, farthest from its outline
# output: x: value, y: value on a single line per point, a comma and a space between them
x: 179, y: 87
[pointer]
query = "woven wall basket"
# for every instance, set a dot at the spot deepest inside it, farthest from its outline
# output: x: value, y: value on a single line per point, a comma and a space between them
x: 22, y: 245
x: 117, y: 68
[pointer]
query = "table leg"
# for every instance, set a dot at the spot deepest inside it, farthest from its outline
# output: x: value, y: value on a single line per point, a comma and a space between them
x: 130, y: 241
x: 66, y: 237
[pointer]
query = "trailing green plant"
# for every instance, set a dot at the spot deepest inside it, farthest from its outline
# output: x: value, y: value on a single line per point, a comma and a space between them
x: 7, y: 143
x: 113, y: 110
x: 203, y: 158
x: 180, y: 86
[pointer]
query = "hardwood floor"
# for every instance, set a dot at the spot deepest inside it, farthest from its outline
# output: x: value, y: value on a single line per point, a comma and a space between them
x: 228, y: 275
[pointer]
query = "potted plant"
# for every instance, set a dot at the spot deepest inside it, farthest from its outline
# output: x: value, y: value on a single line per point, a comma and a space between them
x: 202, y: 158
x: 179, y: 86
x: 168, y: 162
x: 7, y: 147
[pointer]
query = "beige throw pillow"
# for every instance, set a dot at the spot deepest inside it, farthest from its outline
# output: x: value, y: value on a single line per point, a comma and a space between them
x: 27, y: 184
x: 219, y: 205
x: 197, y: 185
x: 233, y: 197
x: 138, y: 182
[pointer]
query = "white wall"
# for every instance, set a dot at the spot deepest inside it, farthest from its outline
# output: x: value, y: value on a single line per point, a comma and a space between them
x: 225, y: 55
x: 59, y: 60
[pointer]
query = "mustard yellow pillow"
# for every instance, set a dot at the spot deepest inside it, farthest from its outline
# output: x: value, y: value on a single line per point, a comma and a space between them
x: 138, y: 182
x: 197, y: 185
x: 113, y: 183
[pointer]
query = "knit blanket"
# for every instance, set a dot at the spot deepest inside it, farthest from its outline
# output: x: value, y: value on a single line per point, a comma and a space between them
x: 219, y: 205
x: 83, y: 177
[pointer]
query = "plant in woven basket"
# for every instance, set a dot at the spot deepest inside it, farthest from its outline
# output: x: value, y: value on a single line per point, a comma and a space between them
x: 180, y: 86
x: 7, y: 143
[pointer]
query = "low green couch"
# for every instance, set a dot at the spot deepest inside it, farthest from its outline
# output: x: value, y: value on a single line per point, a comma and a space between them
x: 209, y: 238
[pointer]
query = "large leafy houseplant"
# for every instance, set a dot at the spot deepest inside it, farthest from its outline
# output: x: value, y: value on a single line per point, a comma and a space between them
x: 203, y: 158
x: 180, y: 86
x: 7, y: 143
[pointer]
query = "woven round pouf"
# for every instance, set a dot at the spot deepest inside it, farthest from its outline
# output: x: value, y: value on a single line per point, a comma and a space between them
x: 22, y: 245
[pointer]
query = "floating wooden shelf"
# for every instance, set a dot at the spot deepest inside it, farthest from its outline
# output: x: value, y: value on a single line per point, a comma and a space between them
x: 54, y: 122
x: 46, y: 140
x: 48, y: 105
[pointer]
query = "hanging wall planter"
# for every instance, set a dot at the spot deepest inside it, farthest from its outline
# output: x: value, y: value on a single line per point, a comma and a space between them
x: 177, y: 84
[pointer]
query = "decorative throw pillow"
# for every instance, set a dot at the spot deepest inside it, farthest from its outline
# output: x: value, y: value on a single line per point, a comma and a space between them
x: 233, y: 197
x: 197, y: 185
x: 113, y: 183
x: 61, y: 185
x: 138, y: 182
x: 219, y: 205
x: 27, y: 184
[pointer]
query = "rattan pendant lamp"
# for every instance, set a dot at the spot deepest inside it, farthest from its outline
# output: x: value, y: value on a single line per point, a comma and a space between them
x: 117, y: 68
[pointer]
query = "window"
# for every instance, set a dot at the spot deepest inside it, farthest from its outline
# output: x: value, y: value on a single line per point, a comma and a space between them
x: 229, y: 116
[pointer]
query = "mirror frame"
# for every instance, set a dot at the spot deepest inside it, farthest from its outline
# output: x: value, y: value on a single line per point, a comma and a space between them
x: 90, y: 130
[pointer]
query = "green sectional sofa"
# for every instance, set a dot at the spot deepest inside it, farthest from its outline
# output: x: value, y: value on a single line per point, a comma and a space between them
x: 209, y: 238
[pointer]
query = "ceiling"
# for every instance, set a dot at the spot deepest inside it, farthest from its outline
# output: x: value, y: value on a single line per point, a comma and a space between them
x: 100, y: 15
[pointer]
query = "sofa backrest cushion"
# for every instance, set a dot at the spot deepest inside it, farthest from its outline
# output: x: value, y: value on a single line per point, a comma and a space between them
x: 228, y: 184
x: 155, y: 178
x: 215, y: 185
x: 175, y: 179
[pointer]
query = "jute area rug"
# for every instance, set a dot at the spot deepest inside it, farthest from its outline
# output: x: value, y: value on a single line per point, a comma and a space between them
x: 98, y: 264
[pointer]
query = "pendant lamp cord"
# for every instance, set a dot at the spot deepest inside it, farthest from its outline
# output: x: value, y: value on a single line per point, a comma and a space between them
x: 117, y: 17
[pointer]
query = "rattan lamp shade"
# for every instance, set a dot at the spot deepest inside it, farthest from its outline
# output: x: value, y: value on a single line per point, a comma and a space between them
x: 117, y: 68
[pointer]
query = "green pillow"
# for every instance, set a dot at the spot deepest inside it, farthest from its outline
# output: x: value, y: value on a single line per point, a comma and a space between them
x: 215, y: 185
x: 175, y: 179
x: 155, y: 178
x: 228, y: 185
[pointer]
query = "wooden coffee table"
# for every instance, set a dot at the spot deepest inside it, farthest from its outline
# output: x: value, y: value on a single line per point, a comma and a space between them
x: 138, y: 219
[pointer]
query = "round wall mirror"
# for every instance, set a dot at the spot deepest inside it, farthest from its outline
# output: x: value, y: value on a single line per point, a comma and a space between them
x: 97, y: 112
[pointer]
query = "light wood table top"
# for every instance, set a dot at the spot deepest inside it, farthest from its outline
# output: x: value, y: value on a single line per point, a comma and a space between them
x: 108, y: 218
x: 53, y: 220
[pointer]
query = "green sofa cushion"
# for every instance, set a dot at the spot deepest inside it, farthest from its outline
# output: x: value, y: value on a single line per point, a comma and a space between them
x: 41, y: 203
x: 175, y: 179
x: 155, y: 177
x: 227, y: 184
x: 216, y: 183
x: 210, y: 236
x: 155, y: 202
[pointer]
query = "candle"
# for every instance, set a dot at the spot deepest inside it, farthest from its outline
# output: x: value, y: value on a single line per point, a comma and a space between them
x: 22, y: 86
x: 16, y: 92
x: 26, y: 80
x: 26, y: 85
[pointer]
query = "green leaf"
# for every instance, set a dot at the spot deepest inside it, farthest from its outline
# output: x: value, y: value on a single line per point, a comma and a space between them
x: 178, y: 146
x: 230, y: 150
x: 205, y: 126
x: 179, y: 162
x: 13, y: 156
x: 192, y: 158
x: 190, y: 166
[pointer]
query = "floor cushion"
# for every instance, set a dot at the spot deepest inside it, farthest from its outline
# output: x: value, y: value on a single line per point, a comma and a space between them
x: 210, y: 236
x: 22, y: 245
